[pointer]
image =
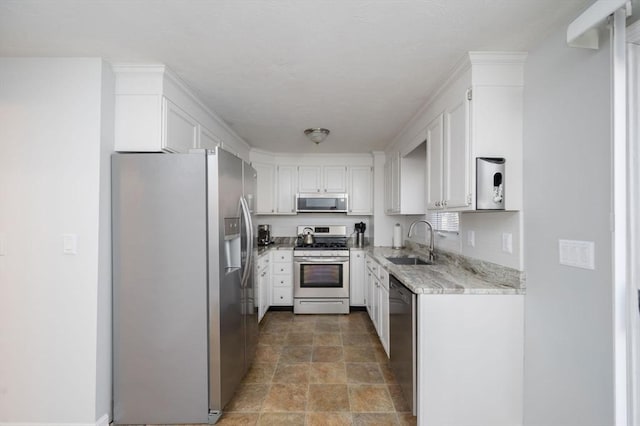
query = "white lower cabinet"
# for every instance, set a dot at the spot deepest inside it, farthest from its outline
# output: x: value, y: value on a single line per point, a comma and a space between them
x: 470, y: 355
x: 357, y: 277
x: 377, y: 303
x: 282, y: 277
x: 263, y: 284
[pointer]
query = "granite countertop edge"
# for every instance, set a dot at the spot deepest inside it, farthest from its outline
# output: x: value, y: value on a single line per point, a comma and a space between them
x: 451, y: 274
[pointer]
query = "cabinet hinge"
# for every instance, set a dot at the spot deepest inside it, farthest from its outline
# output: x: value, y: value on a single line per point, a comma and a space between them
x: 469, y: 199
x: 469, y: 94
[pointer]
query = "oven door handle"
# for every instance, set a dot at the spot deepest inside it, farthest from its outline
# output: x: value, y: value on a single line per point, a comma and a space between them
x: 320, y: 259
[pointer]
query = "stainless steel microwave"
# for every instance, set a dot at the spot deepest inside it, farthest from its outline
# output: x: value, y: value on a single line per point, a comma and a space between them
x: 321, y: 202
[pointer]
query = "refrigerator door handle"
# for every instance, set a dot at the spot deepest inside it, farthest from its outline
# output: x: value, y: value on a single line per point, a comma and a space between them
x: 249, y: 225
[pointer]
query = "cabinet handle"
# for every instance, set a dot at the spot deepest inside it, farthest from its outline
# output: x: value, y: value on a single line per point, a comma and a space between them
x: 444, y: 203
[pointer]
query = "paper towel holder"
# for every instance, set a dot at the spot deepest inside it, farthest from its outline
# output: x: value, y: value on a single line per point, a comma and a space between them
x: 397, y: 237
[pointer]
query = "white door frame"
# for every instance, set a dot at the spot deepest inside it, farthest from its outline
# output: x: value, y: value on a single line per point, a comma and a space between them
x: 633, y: 227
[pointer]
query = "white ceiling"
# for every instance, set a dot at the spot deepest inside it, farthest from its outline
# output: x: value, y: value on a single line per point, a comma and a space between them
x: 271, y: 68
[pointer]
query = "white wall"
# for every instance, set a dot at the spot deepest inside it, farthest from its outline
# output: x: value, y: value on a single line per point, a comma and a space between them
x: 53, y: 169
x: 568, y: 311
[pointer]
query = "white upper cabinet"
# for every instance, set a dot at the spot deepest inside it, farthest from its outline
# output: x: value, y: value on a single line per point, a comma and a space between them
x: 476, y: 113
x: 266, y: 188
x: 360, y: 190
x: 322, y: 178
x: 180, y: 131
x: 156, y: 112
x: 207, y: 139
x: 286, y: 179
x: 392, y: 183
x: 435, y: 161
x: 457, y: 163
x: 448, y: 162
x: 406, y: 179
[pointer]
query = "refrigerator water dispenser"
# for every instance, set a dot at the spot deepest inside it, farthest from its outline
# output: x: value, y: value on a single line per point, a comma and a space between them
x: 490, y: 183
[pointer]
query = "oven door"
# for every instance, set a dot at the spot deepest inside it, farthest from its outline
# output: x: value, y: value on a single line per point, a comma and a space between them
x: 321, y: 277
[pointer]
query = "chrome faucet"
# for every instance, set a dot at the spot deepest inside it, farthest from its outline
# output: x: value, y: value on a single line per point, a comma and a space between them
x: 431, y: 255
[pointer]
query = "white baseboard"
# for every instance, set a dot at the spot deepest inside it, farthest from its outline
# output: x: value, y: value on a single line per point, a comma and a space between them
x: 102, y: 421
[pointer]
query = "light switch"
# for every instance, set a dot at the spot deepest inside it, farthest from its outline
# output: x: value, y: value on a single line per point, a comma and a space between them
x: 471, y: 238
x: 579, y: 254
x: 507, y: 242
x: 69, y: 244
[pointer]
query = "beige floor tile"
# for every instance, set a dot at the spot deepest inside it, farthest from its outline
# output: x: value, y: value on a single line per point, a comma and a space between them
x: 282, y: 419
x: 364, y: 372
x: 276, y: 327
x: 399, y: 401
x: 370, y: 398
x: 359, y: 354
x: 299, y: 339
x: 327, y: 354
x: 357, y: 339
x: 292, y: 373
x: 271, y: 339
x: 328, y: 372
x: 238, y: 419
x: 387, y: 373
x: 286, y: 397
x: 296, y: 354
x: 407, y: 419
x: 327, y: 339
x: 268, y: 353
x: 375, y: 419
x: 248, y: 398
x: 260, y: 372
x: 328, y: 398
x: 327, y: 327
x: 329, y: 419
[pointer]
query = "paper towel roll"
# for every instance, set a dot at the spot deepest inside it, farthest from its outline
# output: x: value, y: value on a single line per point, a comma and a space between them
x: 397, y: 236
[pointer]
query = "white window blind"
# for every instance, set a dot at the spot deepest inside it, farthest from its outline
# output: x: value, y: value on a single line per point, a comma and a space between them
x: 445, y: 221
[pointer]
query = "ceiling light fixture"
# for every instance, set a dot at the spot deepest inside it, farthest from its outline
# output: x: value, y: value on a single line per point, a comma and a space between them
x: 316, y: 134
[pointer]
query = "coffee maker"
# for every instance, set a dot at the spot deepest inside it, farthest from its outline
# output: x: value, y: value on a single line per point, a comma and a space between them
x: 264, y: 235
x: 360, y: 227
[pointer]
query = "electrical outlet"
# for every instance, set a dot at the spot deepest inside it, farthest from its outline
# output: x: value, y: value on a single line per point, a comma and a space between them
x: 471, y: 238
x: 70, y: 244
x: 579, y: 254
x: 507, y: 242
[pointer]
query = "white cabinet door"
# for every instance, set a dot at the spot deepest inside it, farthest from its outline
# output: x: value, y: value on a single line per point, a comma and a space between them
x: 180, y: 130
x: 392, y: 182
x: 265, y: 188
x: 322, y: 178
x: 357, y: 276
x: 207, y: 140
x: 435, y: 155
x: 334, y: 178
x: 369, y: 284
x: 457, y: 161
x: 286, y: 189
x: 383, y: 329
x: 360, y: 190
x: 309, y: 178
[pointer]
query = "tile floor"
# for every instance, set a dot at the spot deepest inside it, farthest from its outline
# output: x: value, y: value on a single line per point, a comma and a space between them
x: 318, y: 370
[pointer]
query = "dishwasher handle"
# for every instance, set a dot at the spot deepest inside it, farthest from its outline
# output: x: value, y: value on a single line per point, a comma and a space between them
x: 403, y: 292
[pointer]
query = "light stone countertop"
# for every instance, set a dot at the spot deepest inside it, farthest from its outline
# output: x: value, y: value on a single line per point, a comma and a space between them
x: 451, y: 274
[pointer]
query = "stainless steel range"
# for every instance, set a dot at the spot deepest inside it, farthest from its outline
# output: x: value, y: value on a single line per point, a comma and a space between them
x: 321, y: 270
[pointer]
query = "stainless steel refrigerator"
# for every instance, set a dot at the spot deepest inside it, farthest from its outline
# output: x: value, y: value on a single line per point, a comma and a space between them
x: 184, y: 314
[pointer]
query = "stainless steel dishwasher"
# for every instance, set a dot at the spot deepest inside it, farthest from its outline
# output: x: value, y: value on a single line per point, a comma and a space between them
x: 402, y: 330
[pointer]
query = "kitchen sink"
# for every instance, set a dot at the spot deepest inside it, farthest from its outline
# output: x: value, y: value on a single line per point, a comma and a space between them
x: 408, y: 260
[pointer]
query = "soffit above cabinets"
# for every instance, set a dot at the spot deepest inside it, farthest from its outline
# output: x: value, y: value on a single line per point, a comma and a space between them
x: 271, y: 69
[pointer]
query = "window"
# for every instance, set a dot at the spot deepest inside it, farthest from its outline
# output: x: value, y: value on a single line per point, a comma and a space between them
x: 445, y: 221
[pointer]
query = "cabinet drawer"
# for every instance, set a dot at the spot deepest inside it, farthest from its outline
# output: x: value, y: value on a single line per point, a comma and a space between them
x: 283, y: 256
x: 282, y: 296
x: 282, y: 268
x: 281, y: 280
x: 383, y: 275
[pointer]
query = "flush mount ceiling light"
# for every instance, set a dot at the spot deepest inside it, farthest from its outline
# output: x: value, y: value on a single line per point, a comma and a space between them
x: 317, y: 134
